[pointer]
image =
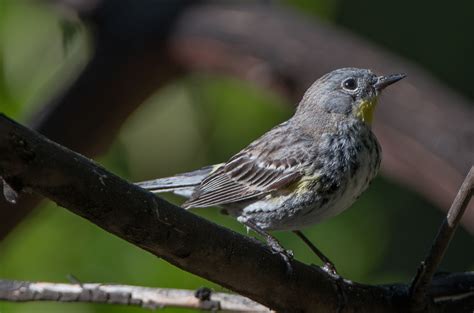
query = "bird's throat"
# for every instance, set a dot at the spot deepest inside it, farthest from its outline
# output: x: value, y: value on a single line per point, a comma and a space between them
x: 365, y: 110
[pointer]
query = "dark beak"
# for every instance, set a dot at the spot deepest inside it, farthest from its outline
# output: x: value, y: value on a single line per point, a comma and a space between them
x: 384, y: 81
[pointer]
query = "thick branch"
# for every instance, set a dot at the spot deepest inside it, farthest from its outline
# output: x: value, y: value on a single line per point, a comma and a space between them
x: 427, y: 269
x: 30, y: 161
x: 151, y: 298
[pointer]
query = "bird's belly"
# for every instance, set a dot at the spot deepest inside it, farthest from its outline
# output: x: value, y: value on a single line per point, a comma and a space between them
x: 320, y: 209
x: 350, y: 186
x: 330, y: 196
x: 349, y: 191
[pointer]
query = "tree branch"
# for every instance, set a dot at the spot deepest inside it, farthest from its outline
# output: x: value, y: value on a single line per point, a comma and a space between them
x: 150, y: 298
x: 427, y: 269
x: 29, y: 161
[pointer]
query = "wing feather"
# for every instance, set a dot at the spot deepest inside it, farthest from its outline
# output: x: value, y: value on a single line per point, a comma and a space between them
x: 265, y: 166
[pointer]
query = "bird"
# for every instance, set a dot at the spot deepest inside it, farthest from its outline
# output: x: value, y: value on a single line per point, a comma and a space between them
x: 305, y: 170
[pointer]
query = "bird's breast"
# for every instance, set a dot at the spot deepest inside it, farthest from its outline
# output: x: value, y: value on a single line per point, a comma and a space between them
x: 348, y: 159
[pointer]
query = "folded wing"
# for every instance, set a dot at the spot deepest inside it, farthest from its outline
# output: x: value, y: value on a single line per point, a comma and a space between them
x: 264, y: 167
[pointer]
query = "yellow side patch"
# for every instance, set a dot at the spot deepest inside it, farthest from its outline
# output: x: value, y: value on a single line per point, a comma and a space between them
x: 301, y: 186
x: 365, y: 110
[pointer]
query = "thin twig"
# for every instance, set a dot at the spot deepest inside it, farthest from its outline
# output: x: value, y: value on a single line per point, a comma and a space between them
x: 150, y: 298
x: 422, y: 281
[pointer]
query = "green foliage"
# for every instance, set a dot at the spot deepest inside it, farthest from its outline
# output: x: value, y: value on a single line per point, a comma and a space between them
x: 7, y: 103
x: 325, y: 9
x: 70, y: 30
x: 33, y: 65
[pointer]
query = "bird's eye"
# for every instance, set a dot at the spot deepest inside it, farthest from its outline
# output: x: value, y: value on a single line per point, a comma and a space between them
x: 350, y: 84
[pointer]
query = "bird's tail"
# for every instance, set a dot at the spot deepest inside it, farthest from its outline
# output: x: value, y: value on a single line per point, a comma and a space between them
x: 181, y: 184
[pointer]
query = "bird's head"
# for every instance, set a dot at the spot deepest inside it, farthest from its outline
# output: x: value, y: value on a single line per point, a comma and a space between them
x: 349, y: 91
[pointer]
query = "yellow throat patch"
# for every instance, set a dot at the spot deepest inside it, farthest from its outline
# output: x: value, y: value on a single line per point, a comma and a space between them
x: 365, y: 110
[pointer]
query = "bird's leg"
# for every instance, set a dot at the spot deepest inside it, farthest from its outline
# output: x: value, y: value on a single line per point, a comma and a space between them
x: 329, y: 268
x: 287, y: 255
x: 328, y: 265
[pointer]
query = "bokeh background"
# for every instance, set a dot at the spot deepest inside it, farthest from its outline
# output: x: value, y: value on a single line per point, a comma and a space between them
x: 202, y: 119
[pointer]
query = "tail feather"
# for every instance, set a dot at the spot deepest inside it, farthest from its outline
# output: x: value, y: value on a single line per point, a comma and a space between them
x: 181, y: 184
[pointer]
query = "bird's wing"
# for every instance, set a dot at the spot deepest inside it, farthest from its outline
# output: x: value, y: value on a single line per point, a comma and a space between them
x: 265, y: 166
x: 189, y: 180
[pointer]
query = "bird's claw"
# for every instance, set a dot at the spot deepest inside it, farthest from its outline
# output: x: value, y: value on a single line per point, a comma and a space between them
x: 288, y: 253
x: 287, y: 256
x: 330, y: 269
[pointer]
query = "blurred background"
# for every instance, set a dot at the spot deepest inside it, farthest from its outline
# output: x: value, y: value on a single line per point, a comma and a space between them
x: 198, y: 116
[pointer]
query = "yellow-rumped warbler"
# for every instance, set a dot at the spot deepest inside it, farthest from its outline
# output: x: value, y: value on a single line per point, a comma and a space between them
x: 304, y: 170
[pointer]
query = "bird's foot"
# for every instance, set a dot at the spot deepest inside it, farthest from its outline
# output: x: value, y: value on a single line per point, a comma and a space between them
x: 330, y: 269
x: 287, y: 255
x: 328, y: 266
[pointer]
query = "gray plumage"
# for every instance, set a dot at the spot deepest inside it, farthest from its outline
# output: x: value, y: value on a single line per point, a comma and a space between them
x: 180, y: 184
x: 304, y: 170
